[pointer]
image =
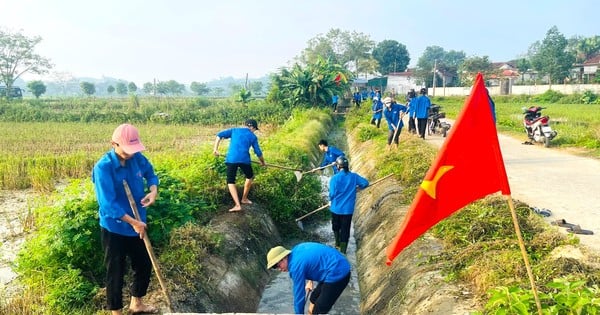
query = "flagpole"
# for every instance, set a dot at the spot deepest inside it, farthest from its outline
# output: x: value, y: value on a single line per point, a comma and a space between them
x: 524, y: 253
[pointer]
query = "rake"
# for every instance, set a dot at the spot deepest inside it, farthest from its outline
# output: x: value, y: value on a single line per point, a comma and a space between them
x: 148, y: 246
x: 299, y: 220
x: 299, y: 174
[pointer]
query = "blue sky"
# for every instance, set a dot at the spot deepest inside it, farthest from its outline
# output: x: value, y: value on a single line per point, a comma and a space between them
x: 194, y: 40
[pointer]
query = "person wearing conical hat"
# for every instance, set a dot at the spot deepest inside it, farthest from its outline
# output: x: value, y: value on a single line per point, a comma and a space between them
x: 308, y: 262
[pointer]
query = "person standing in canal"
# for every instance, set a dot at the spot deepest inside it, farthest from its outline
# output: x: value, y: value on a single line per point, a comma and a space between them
x: 308, y: 262
x: 331, y: 153
x: 342, y: 197
x: 238, y: 156
x: 120, y: 231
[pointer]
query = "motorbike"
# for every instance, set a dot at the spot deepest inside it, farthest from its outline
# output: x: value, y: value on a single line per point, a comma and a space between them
x: 434, y: 124
x: 537, y: 126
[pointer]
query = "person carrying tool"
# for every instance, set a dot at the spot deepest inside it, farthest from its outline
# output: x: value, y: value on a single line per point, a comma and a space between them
x: 377, y: 109
x: 121, y: 234
x: 393, y: 113
x: 308, y: 262
x: 331, y: 153
x: 342, y: 195
x: 238, y: 156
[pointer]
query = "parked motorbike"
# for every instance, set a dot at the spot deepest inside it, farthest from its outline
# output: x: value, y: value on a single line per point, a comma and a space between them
x: 434, y: 124
x: 537, y: 126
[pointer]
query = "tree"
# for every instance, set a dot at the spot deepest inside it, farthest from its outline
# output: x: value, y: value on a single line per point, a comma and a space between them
x: 552, y: 57
x: 244, y: 96
x: 339, y: 47
x: 583, y: 48
x: 169, y: 87
x: 391, y: 56
x: 444, y: 62
x: 17, y: 57
x: 199, y: 88
x: 110, y: 89
x: 36, y: 87
x: 88, y: 88
x: 256, y: 87
x: 523, y: 65
x: 131, y: 87
x: 149, y: 88
x: 121, y: 88
x: 313, y: 84
x: 471, y: 66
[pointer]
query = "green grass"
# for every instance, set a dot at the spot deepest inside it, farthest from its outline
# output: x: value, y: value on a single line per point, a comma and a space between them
x: 578, y: 125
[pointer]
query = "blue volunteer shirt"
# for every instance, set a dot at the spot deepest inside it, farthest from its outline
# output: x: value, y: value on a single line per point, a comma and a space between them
x: 377, y: 109
x: 316, y: 262
x: 108, y: 176
x: 392, y: 115
x: 330, y: 156
x: 412, y: 107
x: 342, y: 191
x: 422, y: 108
x: 242, y: 139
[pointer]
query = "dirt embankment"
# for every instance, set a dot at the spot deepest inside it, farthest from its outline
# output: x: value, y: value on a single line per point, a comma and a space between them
x: 408, y: 286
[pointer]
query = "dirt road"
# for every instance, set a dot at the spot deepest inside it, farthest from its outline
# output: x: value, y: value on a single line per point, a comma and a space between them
x: 567, y: 185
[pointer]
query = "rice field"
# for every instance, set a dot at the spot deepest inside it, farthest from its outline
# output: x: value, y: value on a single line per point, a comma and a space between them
x: 34, y: 154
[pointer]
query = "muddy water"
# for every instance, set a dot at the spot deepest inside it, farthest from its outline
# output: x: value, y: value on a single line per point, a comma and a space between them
x: 277, y: 297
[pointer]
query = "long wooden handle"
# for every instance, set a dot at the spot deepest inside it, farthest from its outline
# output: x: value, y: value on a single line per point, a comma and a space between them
x: 278, y: 166
x: 379, y: 180
x: 153, y: 259
x: 312, y: 212
x: 319, y: 168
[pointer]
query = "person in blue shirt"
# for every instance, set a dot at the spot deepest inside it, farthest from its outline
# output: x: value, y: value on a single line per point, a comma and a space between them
x: 411, y: 103
x: 422, y: 112
x: 357, y: 99
x: 331, y: 153
x: 377, y: 109
x: 238, y: 156
x: 393, y: 113
x: 121, y: 233
x: 334, y: 102
x: 342, y: 197
x: 308, y: 262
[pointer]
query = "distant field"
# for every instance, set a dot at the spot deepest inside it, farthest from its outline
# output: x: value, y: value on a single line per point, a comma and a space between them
x: 32, y: 154
x: 578, y: 125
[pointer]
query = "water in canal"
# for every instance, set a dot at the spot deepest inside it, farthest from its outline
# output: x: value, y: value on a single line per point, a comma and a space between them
x: 277, y: 297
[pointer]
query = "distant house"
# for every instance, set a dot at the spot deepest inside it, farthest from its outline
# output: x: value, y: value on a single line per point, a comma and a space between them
x: 399, y: 83
x: 586, y: 72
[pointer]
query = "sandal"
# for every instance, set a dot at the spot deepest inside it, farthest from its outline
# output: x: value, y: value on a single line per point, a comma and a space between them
x: 563, y: 223
x: 147, y: 310
x: 577, y: 230
x: 543, y: 212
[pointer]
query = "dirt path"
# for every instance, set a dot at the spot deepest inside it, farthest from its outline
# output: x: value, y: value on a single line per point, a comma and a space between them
x: 564, y: 183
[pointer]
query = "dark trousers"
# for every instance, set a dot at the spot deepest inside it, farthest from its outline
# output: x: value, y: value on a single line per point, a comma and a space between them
x: 412, y: 128
x: 116, y: 249
x: 375, y: 121
x: 422, y: 124
x: 393, y: 136
x: 340, y: 223
x: 325, y: 295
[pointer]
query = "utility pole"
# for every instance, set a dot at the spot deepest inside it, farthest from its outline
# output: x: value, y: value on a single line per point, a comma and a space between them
x: 434, y: 71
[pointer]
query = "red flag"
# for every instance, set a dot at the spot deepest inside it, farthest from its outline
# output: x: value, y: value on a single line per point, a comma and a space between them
x: 337, y: 79
x: 468, y: 167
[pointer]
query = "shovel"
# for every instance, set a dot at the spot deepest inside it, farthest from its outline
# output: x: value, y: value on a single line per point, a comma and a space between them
x: 298, y: 220
x: 148, y: 246
x: 299, y: 174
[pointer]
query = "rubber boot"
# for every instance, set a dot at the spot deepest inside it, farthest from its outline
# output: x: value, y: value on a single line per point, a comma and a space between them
x: 343, y: 247
x: 337, y: 239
